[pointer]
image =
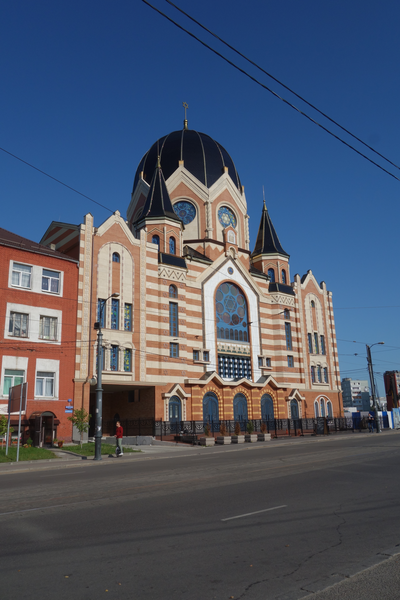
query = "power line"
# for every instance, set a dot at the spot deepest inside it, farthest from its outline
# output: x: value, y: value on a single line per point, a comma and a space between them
x: 282, y: 84
x: 269, y: 90
x: 57, y: 180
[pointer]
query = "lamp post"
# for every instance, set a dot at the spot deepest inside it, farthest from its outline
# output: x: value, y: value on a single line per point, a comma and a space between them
x: 99, y: 390
x: 371, y: 378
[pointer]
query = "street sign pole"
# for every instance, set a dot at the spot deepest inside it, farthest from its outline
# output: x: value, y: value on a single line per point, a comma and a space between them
x: 23, y: 394
x: 9, y: 419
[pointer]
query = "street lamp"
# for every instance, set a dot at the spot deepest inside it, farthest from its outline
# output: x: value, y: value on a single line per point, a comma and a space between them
x: 99, y: 390
x: 371, y: 378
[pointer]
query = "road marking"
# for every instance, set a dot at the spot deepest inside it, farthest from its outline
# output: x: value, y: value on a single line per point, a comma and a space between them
x: 255, y: 513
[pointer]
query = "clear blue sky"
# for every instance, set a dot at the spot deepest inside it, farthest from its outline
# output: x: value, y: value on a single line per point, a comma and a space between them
x: 87, y: 87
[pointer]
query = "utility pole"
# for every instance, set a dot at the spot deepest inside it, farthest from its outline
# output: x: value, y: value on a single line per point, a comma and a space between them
x: 371, y: 378
x: 99, y: 390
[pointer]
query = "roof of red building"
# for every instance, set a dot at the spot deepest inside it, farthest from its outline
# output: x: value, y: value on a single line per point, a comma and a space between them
x: 12, y: 240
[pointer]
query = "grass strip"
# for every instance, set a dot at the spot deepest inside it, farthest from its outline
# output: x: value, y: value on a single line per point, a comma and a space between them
x: 88, y: 449
x: 25, y: 454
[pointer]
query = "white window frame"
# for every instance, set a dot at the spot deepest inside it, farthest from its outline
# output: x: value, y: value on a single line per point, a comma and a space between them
x: 45, y: 377
x: 14, y: 363
x: 20, y: 275
x: 13, y: 382
x: 11, y: 323
x: 46, y: 365
x: 50, y: 279
x: 52, y: 321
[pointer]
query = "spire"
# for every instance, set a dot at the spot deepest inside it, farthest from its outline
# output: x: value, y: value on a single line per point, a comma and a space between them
x: 185, y: 122
x: 267, y: 239
x: 158, y: 203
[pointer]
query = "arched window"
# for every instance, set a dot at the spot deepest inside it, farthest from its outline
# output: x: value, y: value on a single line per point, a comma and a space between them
x: 173, y: 292
x: 326, y: 374
x: 210, y: 408
x: 322, y: 407
x: 172, y: 245
x: 267, y: 408
x: 231, y: 311
x: 316, y: 409
x: 286, y: 313
x: 329, y: 409
x: 319, y: 371
x: 283, y: 276
x: 271, y: 275
x: 294, y: 409
x: 312, y: 304
x: 116, y: 257
x: 240, y: 407
x: 156, y: 240
x: 175, y: 410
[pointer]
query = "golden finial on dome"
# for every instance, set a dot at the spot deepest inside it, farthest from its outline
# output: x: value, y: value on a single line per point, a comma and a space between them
x: 185, y: 123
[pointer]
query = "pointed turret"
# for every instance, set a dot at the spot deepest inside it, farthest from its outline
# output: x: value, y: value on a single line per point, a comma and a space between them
x: 158, y: 204
x: 267, y: 238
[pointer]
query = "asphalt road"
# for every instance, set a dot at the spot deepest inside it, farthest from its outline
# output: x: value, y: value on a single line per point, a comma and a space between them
x: 277, y: 520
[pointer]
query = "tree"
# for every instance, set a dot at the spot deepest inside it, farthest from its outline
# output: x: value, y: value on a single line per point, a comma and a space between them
x: 3, y: 428
x: 80, y: 418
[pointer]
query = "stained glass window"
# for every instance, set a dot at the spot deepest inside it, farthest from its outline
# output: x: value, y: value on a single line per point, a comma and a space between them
x: 288, y: 333
x: 173, y: 319
x: 271, y: 275
x: 114, y: 358
x: 173, y: 292
x: 127, y: 360
x: 185, y: 211
x: 172, y: 245
x: 114, y: 313
x: 322, y: 339
x: 128, y: 317
x: 226, y: 217
x: 316, y: 343
x: 290, y: 361
x: 156, y: 240
x: 174, y: 350
x: 283, y: 276
x: 286, y: 313
x: 231, y: 310
x: 116, y: 257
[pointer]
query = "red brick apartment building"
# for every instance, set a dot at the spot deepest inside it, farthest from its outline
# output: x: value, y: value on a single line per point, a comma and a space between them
x: 38, y: 308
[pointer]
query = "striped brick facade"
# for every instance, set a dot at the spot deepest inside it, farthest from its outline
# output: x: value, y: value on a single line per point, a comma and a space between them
x: 208, y: 253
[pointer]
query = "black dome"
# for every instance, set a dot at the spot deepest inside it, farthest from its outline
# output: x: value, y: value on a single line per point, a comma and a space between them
x: 203, y: 157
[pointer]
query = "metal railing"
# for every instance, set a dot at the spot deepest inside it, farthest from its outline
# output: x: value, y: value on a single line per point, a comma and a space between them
x: 276, y: 427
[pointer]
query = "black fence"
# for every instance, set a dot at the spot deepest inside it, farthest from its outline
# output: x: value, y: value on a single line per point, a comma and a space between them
x: 276, y: 427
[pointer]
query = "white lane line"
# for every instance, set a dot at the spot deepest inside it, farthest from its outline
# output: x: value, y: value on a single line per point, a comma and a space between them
x: 254, y: 513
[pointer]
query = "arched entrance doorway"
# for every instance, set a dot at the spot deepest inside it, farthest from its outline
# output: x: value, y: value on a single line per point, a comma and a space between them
x: 240, y: 410
x: 43, y: 428
x: 294, y: 409
x: 210, y: 408
x: 267, y: 408
x: 175, y: 410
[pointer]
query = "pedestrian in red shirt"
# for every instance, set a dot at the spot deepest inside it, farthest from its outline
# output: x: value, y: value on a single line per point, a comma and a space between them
x: 119, y: 433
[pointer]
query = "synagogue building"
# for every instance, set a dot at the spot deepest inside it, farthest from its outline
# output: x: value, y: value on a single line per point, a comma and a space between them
x: 198, y: 322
